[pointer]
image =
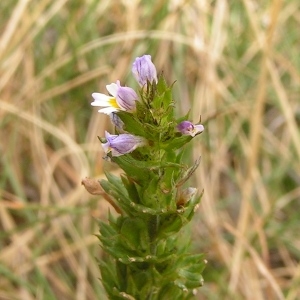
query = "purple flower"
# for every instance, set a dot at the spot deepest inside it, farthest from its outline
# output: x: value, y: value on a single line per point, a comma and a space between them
x: 144, y: 70
x: 122, y: 144
x: 122, y: 98
x: 188, y: 128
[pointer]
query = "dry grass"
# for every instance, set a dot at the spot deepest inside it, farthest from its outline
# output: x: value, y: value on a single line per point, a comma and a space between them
x: 236, y: 64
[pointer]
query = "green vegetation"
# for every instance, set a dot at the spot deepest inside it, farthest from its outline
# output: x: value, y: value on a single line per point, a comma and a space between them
x: 236, y: 63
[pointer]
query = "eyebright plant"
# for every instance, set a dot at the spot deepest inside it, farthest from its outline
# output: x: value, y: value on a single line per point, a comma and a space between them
x: 146, y: 255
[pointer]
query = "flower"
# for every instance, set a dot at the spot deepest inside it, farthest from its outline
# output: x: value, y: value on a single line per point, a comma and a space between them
x: 122, y: 143
x: 188, y: 128
x: 122, y: 98
x: 144, y: 70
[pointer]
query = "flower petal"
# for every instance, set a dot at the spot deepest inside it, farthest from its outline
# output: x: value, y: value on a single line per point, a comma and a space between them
x: 107, y: 110
x: 126, y: 98
x: 109, y: 136
x: 106, y: 147
x: 115, y: 152
x: 199, y: 128
x: 185, y: 127
x: 100, y: 99
x: 125, y: 143
x: 112, y: 89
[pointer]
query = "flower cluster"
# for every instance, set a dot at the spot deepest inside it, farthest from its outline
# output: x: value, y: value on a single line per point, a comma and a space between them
x: 122, y: 98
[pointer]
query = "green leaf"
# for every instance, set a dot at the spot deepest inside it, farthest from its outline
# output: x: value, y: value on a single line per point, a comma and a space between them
x: 133, y: 168
x: 106, y: 230
x: 116, y: 182
x: 170, y: 291
x: 150, y: 196
x: 189, y: 172
x: 122, y: 272
x: 131, y: 189
x: 135, y: 234
x: 169, y: 225
x: 143, y: 280
x: 164, y: 93
x: 177, y: 142
x: 122, y: 295
x: 132, y: 124
x: 108, y: 274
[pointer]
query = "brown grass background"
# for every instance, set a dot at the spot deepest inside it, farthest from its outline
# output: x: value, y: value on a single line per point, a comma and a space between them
x: 236, y: 64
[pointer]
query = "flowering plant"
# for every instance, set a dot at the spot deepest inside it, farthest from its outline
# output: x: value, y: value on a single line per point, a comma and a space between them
x: 145, y: 255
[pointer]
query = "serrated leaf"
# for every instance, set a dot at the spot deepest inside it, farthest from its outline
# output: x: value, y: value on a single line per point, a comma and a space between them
x: 132, y: 124
x: 131, y: 189
x: 106, y: 229
x: 133, y: 168
x: 170, y: 291
x: 135, y: 234
x: 108, y: 275
x: 170, y: 225
x: 177, y: 142
x: 150, y: 196
x: 116, y: 182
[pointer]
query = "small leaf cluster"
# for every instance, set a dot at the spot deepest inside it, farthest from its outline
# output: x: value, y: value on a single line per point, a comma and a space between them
x: 145, y: 255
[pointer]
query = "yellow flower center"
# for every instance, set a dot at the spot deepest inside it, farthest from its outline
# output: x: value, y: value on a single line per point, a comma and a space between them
x: 113, y: 103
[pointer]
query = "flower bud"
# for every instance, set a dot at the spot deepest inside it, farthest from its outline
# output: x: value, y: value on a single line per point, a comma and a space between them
x: 185, y: 196
x: 92, y: 186
x: 144, y: 70
x: 188, y: 128
x: 122, y: 144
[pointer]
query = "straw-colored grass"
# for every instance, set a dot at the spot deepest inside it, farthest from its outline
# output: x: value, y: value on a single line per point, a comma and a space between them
x: 236, y: 64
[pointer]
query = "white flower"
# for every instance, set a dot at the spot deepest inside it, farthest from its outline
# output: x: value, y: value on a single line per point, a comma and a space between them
x: 121, y: 98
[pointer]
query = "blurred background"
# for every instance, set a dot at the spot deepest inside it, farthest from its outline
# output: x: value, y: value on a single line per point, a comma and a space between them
x: 236, y: 64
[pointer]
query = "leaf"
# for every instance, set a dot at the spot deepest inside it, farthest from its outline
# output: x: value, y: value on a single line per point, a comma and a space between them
x: 135, y: 234
x: 122, y: 295
x: 169, y: 225
x: 133, y: 168
x: 108, y: 274
x: 131, y: 189
x: 132, y: 124
x: 177, y: 142
x: 189, y: 173
x: 170, y: 291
